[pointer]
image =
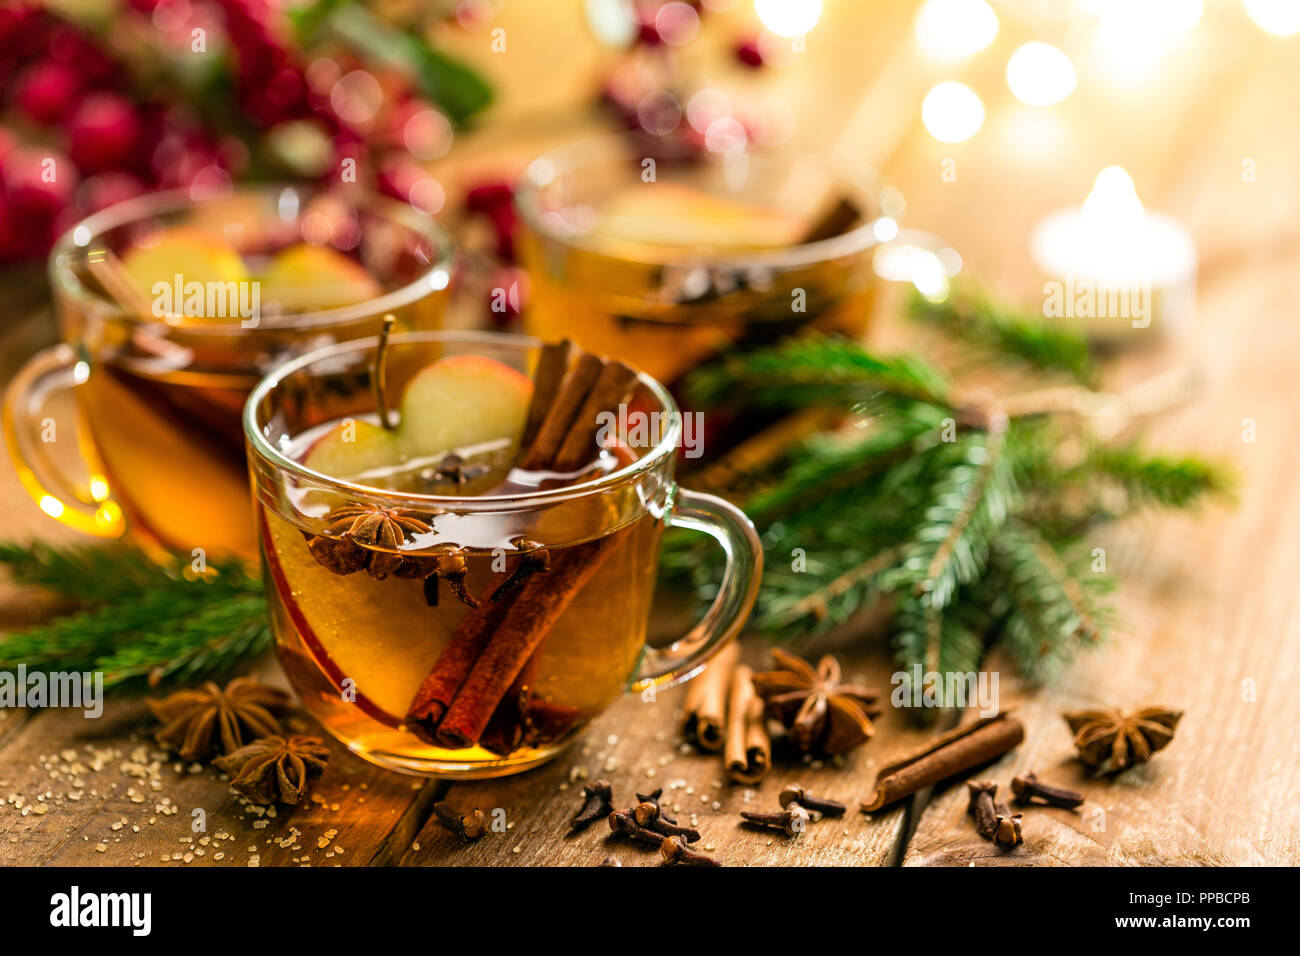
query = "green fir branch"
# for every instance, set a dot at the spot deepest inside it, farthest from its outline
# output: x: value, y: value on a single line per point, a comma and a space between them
x: 967, y: 537
x: 813, y: 369
x: 142, y: 624
x: 1008, y: 333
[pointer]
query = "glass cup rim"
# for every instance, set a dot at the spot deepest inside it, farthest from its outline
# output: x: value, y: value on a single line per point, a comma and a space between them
x: 64, y: 279
x: 595, y: 150
x: 263, y: 448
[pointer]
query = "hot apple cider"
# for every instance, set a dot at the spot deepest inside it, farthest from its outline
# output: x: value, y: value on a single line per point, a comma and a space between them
x: 430, y: 636
x: 670, y: 266
x: 173, y: 311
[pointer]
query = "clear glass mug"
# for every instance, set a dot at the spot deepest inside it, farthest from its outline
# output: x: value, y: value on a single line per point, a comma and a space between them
x: 360, y: 651
x: 156, y: 401
x: 668, y: 266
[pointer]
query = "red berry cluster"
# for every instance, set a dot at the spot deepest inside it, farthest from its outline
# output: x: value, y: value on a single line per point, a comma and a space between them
x: 83, y: 131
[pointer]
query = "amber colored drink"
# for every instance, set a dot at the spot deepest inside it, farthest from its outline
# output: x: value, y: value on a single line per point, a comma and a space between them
x: 383, y: 638
x: 460, y: 580
x: 670, y: 272
x: 158, y: 380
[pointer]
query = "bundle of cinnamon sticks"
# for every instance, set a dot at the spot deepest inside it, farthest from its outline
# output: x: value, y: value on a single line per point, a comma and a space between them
x: 724, y: 713
x: 479, y: 690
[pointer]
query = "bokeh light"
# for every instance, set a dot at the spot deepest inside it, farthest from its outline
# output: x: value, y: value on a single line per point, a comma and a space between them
x: 356, y: 98
x: 1278, y: 17
x: 789, y: 18
x: 952, y: 29
x: 677, y: 23
x: 952, y: 112
x: 427, y: 135
x: 1039, y: 74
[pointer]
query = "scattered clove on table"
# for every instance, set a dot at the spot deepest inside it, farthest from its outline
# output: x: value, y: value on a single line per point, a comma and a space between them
x: 1029, y: 789
x: 793, y: 820
x: 468, y: 826
x: 597, y: 804
x: 674, y: 851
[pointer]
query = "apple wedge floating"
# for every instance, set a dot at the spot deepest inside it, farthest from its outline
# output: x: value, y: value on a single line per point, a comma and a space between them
x: 456, y: 403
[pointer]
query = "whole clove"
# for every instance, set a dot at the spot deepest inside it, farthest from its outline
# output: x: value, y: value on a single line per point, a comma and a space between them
x: 982, y: 808
x: 823, y: 805
x: 468, y: 826
x: 653, y: 797
x: 649, y: 815
x: 1006, y: 832
x: 534, y: 560
x: 1029, y: 789
x: 597, y: 804
x: 674, y: 851
x: 623, y: 823
x: 793, y: 820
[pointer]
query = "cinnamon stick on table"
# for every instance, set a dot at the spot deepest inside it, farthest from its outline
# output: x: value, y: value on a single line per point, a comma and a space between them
x: 706, y: 700
x: 948, y: 755
x: 483, y: 662
x: 748, y: 754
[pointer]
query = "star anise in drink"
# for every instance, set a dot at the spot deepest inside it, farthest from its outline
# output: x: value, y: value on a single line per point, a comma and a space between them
x: 194, y: 721
x: 367, y: 537
x: 1111, y: 741
x: 821, y: 712
x: 276, y: 769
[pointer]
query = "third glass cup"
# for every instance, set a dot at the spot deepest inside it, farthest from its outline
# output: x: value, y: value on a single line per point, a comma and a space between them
x: 158, y: 378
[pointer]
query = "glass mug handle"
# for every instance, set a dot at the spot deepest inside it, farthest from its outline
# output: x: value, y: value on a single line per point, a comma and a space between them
x: 664, y: 667
x: 90, y: 510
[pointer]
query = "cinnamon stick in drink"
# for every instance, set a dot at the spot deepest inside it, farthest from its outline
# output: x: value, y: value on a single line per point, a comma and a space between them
x: 706, y: 700
x: 948, y: 755
x: 463, y: 696
x: 551, y: 368
x: 748, y: 753
x: 453, y: 666
x: 560, y: 418
x: 535, y: 610
x: 611, y: 389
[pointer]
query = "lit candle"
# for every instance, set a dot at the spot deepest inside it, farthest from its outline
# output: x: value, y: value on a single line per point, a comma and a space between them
x: 1112, y: 266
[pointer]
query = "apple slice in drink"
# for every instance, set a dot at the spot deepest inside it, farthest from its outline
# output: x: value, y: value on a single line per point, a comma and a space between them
x: 304, y: 278
x: 382, y: 634
x: 460, y: 404
x: 381, y: 637
x: 196, y: 256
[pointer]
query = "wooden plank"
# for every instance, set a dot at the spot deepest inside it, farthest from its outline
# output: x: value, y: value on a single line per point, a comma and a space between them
x: 1207, y: 623
x: 77, y: 791
x: 637, y: 746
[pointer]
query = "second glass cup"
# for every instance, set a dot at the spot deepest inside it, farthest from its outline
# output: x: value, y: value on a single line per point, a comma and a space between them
x: 371, y: 588
x: 161, y: 346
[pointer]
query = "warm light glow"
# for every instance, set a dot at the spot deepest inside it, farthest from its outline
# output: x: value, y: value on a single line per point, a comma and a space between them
x: 1278, y: 17
x: 952, y: 29
x: 52, y: 506
x: 98, y: 488
x: 1039, y: 74
x: 952, y: 112
x: 1137, y: 32
x: 1113, y: 202
x: 108, y: 515
x: 789, y: 18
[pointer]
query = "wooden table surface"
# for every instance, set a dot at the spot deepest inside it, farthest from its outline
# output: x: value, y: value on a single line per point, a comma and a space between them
x: 1207, y: 618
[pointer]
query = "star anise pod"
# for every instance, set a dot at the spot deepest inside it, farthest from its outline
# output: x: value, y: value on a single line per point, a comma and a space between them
x: 196, y: 720
x: 821, y: 713
x: 276, y: 769
x: 1111, y: 741
x: 365, y: 536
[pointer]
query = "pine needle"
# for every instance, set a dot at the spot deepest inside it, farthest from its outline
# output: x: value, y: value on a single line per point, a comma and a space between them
x: 141, y: 624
